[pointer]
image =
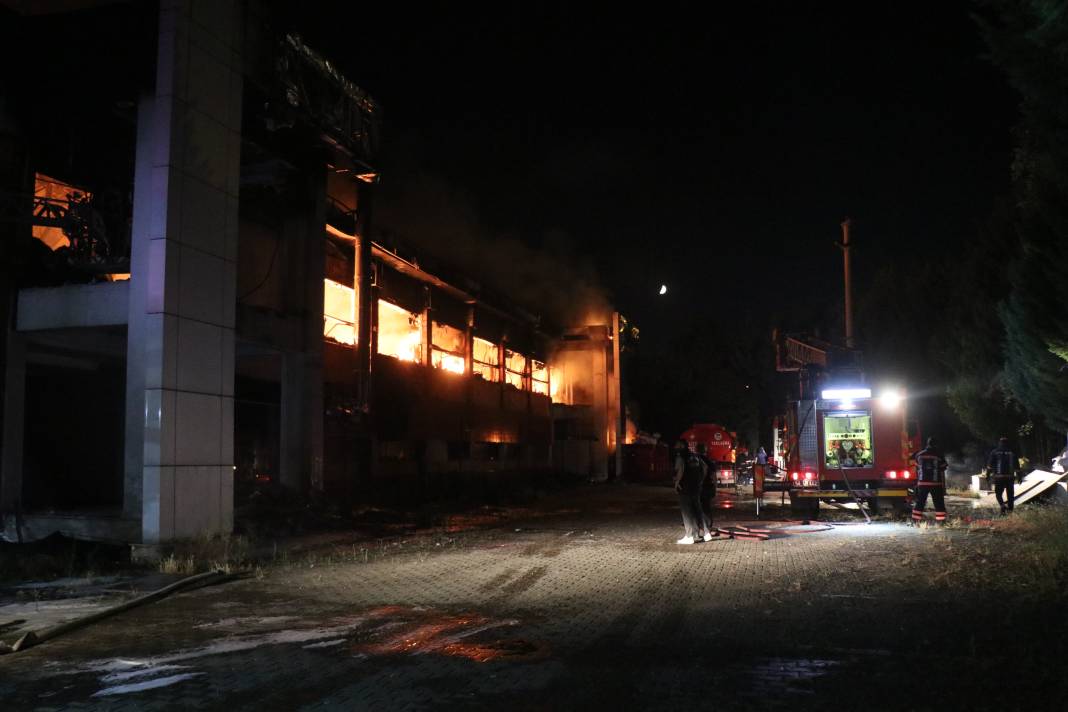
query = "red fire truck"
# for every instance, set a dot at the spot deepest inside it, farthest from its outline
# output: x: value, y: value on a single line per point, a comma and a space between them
x: 838, y: 441
x: 720, y: 444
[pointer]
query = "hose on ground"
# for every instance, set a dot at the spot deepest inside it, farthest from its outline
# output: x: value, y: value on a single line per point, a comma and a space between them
x: 33, y: 638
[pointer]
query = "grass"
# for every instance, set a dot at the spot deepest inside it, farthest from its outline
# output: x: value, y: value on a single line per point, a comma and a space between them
x: 1041, y: 534
x: 1025, y: 553
x: 215, y: 553
x: 963, y: 492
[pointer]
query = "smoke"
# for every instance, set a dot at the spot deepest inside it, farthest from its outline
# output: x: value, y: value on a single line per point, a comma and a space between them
x: 423, y: 213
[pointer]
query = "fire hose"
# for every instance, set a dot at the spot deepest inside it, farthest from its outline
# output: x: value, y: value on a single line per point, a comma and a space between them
x: 849, y: 488
x: 32, y: 638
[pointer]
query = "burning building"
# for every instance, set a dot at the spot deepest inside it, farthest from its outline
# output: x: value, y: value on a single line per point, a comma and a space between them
x: 193, y: 301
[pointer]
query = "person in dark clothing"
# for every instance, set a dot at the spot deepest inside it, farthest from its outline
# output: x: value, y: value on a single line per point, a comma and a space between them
x: 1001, y: 465
x: 930, y: 479
x: 690, y: 472
x: 708, y: 487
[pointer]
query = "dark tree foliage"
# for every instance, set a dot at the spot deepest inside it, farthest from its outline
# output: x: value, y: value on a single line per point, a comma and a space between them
x: 1029, y: 41
x: 973, y: 350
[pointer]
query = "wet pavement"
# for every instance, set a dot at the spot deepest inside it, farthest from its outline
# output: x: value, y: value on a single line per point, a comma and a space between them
x: 584, y: 601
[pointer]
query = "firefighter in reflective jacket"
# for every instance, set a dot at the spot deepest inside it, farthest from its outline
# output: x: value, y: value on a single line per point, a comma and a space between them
x: 930, y: 479
x: 1001, y: 465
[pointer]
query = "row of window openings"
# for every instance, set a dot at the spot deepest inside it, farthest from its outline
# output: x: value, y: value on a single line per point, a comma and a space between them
x: 401, y: 335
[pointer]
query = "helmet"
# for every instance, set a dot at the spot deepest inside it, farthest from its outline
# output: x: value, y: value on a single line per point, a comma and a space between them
x: 931, y: 442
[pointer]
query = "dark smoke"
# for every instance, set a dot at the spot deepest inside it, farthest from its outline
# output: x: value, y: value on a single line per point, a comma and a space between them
x: 427, y: 215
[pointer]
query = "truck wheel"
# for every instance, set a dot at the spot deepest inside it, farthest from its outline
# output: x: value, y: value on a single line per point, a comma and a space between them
x: 804, y: 508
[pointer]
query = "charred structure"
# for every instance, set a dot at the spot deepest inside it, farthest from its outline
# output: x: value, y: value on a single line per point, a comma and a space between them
x: 194, y: 302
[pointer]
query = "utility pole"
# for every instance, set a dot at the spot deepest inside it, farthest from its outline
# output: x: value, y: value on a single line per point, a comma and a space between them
x: 844, y: 246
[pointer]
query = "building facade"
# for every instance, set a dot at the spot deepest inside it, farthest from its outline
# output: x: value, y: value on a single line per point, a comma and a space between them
x: 194, y: 304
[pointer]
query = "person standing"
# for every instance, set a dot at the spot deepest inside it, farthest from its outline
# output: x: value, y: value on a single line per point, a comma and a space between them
x: 1001, y: 465
x: 708, y: 489
x: 762, y: 457
x: 690, y: 472
x: 930, y: 480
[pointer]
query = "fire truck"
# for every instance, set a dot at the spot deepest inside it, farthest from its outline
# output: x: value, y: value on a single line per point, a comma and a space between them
x: 837, y: 440
x: 720, y: 446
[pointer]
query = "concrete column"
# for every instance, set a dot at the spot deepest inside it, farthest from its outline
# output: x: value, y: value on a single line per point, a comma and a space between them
x: 301, y: 447
x: 180, y: 372
x: 428, y: 328
x: 615, y: 400
x: 469, y: 341
x: 14, y: 176
x: 602, y: 417
x: 12, y: 429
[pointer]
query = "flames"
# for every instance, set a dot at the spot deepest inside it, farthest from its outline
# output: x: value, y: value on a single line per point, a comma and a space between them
x: 449, y: 362
x: 339, y: 312
x: 400, y: 333
x: 408, y: 348
x: 450, y: 347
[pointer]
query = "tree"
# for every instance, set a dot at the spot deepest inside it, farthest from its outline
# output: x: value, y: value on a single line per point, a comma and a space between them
x: 974, y: 345
x: 1029, y: 41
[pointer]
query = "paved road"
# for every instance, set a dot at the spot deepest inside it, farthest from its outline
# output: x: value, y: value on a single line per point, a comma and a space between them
x: 586, y: 603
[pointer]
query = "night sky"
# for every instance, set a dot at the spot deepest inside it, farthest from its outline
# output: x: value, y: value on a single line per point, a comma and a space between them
x: 697, y: 151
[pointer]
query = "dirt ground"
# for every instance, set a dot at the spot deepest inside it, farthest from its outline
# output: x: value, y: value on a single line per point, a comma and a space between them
x: 584, y: 600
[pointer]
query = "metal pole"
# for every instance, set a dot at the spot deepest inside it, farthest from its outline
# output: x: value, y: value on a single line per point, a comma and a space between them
x: 844, y: 245
x: 618, y: 410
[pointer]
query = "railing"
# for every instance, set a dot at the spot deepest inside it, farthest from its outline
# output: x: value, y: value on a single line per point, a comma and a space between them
x: 93, y: 247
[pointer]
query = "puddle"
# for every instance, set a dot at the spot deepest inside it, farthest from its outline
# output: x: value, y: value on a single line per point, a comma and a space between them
x: 241, y: 624
x: 788, y: 675
x: 153, y: 684
x: 433, y: 632
x: 515, y: 649
x: 379, y: 632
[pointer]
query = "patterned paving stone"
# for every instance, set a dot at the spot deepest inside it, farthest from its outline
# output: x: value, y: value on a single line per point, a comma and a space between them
x: 593, y: 607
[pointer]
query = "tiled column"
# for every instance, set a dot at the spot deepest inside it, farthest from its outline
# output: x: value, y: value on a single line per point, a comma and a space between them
x: 301, y: 446
x: 12, y: 423
x: 182, y: 301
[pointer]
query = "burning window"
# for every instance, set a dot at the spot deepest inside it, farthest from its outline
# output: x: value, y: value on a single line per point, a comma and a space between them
x: 515, y: 368
x: 486, y: 361
x: 449, y: 348
x: 539, y: 377
x: 400, y: 333
x: 339, y: 312
x: 54, y: 197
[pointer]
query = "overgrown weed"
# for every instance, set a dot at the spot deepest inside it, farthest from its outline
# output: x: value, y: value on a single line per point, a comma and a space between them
x: 208, y: 553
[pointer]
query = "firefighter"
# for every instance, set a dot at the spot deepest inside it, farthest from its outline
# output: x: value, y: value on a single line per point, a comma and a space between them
x: 1001, y: 465
x: 690, y: 473
x: 930, y: 479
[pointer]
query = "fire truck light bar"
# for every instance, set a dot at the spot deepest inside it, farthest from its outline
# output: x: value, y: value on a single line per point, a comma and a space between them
x: 845, y: 393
